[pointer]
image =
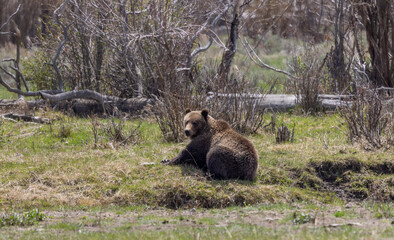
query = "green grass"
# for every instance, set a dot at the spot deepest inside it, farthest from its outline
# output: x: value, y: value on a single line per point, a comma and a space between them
x: 228, y: 223
x: 5, y: 94
x: 105, y: 190
x: 69, y: 169
x: 339, y: 214
x: 9, y: 51
x: 235, y: 231
x: 315, y: 175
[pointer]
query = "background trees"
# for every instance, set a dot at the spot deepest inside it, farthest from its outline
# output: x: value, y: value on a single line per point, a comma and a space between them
x: 158, y: 48
x: 134, y: 48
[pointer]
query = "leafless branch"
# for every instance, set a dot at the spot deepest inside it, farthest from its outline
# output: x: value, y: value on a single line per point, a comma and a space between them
x: 23, y: 77
x: 59, y: 11
x: 255, y: 58
x: 57, y: 96
x: 59, y: 49
x: 20, y: 92
x: 9, y: 18
x: 8, y: 60
x: 245, y: 3
x: 211, y: 26
x: 56, y: 16
x: 8, y: 73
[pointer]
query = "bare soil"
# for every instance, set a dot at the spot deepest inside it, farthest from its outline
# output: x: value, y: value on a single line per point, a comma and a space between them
x: 155, y: 220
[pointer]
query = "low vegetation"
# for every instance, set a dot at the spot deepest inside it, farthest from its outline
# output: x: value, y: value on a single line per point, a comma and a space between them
x: 43, y: 167
x: 22, y: 219
x: 46, y: 165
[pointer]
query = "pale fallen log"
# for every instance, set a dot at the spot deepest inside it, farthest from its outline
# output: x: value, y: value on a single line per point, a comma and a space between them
x: 282, y: 102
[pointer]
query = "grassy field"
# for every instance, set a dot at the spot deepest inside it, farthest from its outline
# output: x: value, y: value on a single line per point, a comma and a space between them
x: 62, y: 180
x: 93, y: 189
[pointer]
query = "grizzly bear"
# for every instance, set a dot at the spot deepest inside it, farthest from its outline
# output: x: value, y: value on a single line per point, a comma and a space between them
x: 216, y: 148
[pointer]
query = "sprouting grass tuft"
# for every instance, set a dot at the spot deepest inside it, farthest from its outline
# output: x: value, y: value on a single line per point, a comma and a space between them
x: 21, y: 219
x: 339, y: 214
x: 301, y: 218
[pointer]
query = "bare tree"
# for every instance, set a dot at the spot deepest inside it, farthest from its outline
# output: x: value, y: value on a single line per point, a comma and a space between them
x: 377, y: 19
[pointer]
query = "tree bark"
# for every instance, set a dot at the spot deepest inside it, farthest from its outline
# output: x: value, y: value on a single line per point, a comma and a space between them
x: 375, y: 18
x: 229, y: 53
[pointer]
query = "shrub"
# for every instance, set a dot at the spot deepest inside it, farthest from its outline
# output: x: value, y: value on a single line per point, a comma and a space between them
x: 307, y: 85
x: 114, y: 131
x: 367, y: 120
x: 37, y: 70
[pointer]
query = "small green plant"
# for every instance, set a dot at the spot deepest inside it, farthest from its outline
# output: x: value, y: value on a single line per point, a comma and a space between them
x: 22, y: 219
x: 301, y: 218
x: 339, y: 214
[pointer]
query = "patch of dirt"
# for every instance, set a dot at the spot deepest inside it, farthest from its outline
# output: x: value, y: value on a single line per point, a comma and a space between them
x: 151, y: 220
x: 351, y: 178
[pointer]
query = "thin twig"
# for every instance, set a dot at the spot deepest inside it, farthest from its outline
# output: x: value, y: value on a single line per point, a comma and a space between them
x: 325, y: 143
x: 8, y: 60
x: 9, y: 18
x: 23, y: 77
x: 8, y: 73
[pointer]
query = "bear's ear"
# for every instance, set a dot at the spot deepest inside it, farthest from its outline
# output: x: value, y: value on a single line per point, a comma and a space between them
x: 187, y: 111
x: 204, y: 113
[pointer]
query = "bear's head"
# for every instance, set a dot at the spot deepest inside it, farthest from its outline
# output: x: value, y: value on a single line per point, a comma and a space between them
x: 196, y: 122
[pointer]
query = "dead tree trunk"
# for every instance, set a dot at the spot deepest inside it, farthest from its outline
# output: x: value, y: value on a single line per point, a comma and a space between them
x: 376, y: 19
x: 338, y: 67
x: 99, y: 52
x: 231, y: 47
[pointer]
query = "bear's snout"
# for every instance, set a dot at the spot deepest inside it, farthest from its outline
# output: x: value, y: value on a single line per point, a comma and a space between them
x: 187, y: 132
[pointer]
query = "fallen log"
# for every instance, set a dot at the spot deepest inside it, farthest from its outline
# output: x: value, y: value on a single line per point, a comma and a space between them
x: 272, y: 102
x: 26, y: 118
x: 83, y: 99
x: 282, y: 102
x: 81, y: 107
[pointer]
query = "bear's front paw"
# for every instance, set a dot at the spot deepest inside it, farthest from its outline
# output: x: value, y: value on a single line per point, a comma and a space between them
x: 165, y: 161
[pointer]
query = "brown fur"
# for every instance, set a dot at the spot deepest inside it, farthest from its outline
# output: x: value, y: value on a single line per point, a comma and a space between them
x: 216, y: 148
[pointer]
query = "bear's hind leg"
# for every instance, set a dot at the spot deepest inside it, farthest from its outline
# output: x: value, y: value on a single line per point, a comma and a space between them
x: 217, y: 164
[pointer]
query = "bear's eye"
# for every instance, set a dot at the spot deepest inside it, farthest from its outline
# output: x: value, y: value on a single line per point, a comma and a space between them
x: 194, y: 124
